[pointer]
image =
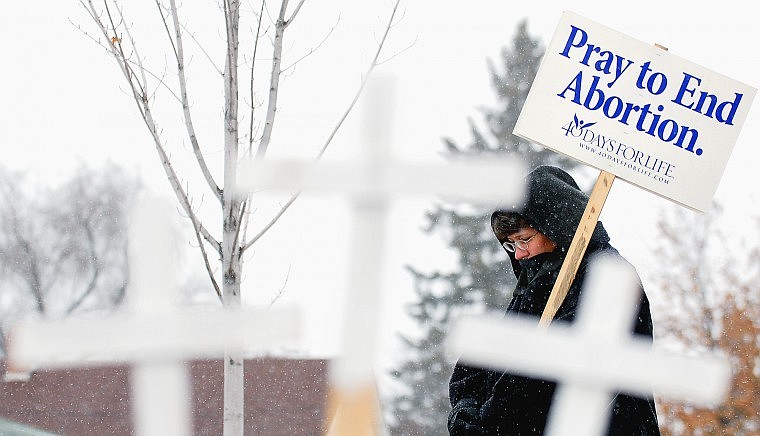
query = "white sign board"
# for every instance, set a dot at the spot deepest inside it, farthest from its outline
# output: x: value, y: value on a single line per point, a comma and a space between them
x: 634, y: 110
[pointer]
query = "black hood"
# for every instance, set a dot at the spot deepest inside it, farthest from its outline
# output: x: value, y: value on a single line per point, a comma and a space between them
x: 554, y: 205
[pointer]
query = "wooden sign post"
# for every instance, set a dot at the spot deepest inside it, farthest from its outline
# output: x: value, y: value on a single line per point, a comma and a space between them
x: 578, y: 246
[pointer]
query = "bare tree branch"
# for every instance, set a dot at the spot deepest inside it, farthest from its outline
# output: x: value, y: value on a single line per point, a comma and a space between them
x: 20, y: 251
x: 35, y: 276
x: 398, y: 53
x: 293, y: 15
x: 272, y: 221
x: 272, y: 102
x: 253, y: 64
x: 313, y: 49
x: 179, y: 52
x: 166, y: 28
x: 365, y: 78
x: 203, y: 50
x: 204, y: 256
x: 243, y: 216
x: 274, y: 82
x: 282, y: 289
x: 141, y: 100
x: 109, y: 50
x: 96, y: 270
x: 327, y: 143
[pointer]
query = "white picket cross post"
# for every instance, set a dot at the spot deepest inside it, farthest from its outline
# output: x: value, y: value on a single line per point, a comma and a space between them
x: 370, y: 184
x: 154, y: 335
x: 160, y: 389
x: 592, y: 359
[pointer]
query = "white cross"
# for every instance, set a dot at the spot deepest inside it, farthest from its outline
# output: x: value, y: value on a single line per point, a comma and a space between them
x: 370, y: 183
x: 155, y: 335
x: 592, y: 359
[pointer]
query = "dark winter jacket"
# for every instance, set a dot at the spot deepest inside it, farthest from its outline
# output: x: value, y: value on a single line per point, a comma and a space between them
x: 487, y: 402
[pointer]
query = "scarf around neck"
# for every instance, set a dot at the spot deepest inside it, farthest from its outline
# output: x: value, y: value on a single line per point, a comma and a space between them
x: 535, y: 283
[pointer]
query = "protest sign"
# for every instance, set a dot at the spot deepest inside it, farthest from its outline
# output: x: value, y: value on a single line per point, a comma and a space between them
x: 634, y: 110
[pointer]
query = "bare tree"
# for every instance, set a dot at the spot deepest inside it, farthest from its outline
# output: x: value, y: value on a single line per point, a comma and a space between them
x: 115, y: 35
x: 64, y: 250
x: 707, y: 301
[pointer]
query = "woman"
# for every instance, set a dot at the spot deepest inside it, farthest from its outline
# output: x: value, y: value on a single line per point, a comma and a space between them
x: 536, y: 238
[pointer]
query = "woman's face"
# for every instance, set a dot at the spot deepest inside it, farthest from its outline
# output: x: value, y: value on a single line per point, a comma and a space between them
x: 530, y: 243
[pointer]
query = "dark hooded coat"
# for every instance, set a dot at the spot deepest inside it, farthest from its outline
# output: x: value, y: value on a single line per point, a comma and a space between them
x: 488, y: 402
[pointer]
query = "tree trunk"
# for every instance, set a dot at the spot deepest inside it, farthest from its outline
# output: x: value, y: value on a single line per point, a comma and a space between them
x: 233, y: 360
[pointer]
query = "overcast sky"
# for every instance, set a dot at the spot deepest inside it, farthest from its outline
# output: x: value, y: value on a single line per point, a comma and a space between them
x: 63, y: 104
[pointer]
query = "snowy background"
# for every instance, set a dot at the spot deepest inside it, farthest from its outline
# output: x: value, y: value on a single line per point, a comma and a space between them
x: 63, y: 105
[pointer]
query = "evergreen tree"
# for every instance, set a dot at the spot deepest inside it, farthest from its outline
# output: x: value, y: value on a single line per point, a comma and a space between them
x: 483, y: 279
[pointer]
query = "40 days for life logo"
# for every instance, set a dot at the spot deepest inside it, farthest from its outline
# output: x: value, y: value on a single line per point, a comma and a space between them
x: 622, y: 154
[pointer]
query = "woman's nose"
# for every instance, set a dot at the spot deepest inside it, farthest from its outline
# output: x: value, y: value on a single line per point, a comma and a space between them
x: 520, y: 254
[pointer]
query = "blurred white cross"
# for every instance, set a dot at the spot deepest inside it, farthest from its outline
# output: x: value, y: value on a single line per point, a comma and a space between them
x: 370, y: 184
x: 592, y: 359
x: 155, y: 336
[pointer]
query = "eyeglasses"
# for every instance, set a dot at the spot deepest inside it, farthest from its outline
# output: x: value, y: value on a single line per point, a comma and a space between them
x: 522, y: 244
